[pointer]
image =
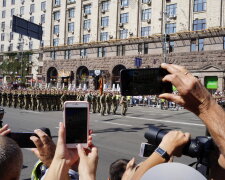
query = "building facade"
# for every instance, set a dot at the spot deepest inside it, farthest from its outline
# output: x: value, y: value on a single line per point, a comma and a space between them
x: 83, y: 38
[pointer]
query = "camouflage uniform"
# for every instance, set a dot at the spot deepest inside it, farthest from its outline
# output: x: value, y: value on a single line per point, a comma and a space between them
x: 109, y: 102
x: 123, y: 103
x: 115, y: 103
x: 94, y: 103
x: 103, y: 104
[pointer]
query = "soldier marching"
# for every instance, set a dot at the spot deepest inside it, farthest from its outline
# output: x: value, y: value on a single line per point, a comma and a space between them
x: 53, y: 100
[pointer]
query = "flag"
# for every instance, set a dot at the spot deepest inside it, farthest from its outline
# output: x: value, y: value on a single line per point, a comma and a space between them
x: 101, y: 85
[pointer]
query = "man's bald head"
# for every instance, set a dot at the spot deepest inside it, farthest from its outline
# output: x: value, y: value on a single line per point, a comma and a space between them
x: 11, y: 159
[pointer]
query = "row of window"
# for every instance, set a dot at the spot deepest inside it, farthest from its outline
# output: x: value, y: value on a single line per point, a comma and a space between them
x: 199, y: 5
x: 196, y: 45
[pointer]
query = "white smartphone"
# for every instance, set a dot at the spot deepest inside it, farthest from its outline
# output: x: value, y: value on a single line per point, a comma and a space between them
x: 76, y: 121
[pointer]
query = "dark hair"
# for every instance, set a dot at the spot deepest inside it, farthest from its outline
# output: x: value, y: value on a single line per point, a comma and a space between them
x: 117, y: 169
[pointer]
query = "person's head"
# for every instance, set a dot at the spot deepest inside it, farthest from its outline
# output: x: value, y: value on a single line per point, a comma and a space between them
x: 11, y: 159
x: 117, y: 169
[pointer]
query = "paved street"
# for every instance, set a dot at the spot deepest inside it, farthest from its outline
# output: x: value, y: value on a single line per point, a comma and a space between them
x: 114, y: 135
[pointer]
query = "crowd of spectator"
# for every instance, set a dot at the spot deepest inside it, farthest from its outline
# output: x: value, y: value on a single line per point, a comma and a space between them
x: 81, y: 163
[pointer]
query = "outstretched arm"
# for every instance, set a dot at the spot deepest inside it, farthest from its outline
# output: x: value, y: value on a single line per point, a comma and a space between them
x: 173, y: 143
x: 196, y: 98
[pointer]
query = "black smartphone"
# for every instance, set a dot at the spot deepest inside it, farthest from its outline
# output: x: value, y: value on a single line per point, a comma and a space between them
x: 134, y: 82
x: 146, y: 149
x: 76, y: 120
x: 23, y: 139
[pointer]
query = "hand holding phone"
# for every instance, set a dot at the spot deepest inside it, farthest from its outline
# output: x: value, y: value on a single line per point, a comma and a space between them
x: 23, y: 139
x: 76, y: 121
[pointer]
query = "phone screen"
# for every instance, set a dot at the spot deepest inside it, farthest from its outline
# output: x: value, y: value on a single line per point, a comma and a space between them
x: 144, y: 82
x: 76, y: 125
x: 23, y: 139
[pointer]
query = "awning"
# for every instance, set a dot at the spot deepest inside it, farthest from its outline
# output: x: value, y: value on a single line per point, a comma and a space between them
x: 64, y: 73
x: 211, y: 82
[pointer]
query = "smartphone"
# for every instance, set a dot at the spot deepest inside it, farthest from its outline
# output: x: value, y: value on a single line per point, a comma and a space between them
x: 76, y: 121
x: 135, y: 82
x: 23, y: 139
x: 146, y: 149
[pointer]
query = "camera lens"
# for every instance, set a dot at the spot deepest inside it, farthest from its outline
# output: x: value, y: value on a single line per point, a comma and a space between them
x: 155, y: 135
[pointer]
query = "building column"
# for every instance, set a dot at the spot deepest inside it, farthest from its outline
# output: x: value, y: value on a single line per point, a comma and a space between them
x: 220, y: 83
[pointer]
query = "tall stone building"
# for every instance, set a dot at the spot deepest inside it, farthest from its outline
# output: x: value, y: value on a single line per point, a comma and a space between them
x: 85, y: 38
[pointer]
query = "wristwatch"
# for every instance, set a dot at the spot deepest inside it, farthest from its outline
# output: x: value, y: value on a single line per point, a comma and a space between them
x: 162, y: 153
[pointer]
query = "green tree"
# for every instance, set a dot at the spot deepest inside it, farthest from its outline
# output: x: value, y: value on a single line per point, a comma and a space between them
x: 16, y: 64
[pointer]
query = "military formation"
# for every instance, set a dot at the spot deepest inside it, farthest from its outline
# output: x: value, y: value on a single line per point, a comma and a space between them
x: 53, y: 100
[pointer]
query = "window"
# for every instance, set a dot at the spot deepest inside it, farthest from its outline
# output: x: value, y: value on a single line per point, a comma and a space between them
x: 3, y: 37
x: 199, y: 5
x: 224, y: 42
x: 10, y: 48
x: 56, y: 15
x: 11, y: 36
x: 3, y: 26
x: 171, y: 10
x: 31, y: 8
x: 53, y: 55
x: 87, y: 9
x: 123, y: 34
x: 71, y: 1
x: 124, y: 2
x: 87, y: 24
x: 70, y: 40
x: 43, y: 6
x: 124, y: 18
x: 121, y: 50
x: 197, y: 45
x: 145, y: 31
x: 12, y: 11
x: 146, y: 1
x: 170, y: 28
x: 145, y: 48
x: 105, y: 21
x: 56, y: 42
x: 22, y: 10
x: 199, y: 24
x: 105, y: 5
x: 31, y: 45
x: 171, y: 46
x: 40, y: 69
x: 71, y: 12
x: 86, y: 38
x: 12, y: 2
x: 3, y: 14
x: 56, y: 29
x: 4, y: 3
x: 67, y: 54
x: 42, y: 43
x: 201, y: 45
x: 139, y: 48
x: 20, y: 46
x: 101, y: 51
x: 83, y: 53
x: 71, y: 27
x: 42, y: 18
x: 2, y: 48
x: 104, y: 36
x: 57, y: 2
x: 146, y: 14
x: 32, y: 19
